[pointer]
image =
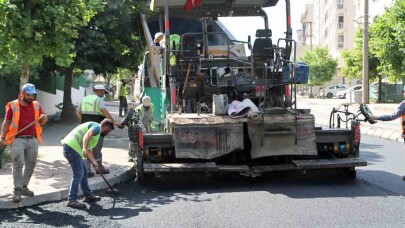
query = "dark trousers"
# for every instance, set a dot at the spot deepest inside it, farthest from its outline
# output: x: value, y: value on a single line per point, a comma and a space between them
x: 123, y: 105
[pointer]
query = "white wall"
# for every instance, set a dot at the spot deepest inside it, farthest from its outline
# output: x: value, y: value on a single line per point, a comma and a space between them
x: 49, y: 100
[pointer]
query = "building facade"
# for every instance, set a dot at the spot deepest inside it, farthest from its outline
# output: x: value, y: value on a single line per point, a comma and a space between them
x: 332, y: 24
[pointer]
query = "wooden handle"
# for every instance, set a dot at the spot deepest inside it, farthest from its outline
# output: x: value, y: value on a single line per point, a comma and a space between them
x: 24, y: 128
x: 185, y: 81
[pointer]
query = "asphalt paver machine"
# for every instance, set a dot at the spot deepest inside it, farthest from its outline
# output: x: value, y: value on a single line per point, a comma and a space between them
x: 224, y: 105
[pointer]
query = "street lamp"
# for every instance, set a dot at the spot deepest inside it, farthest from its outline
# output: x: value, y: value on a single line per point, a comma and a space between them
x: 365, y: 82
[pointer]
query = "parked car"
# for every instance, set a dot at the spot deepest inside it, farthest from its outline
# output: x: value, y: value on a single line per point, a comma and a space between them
x: 331, y: 91
x: 342, y: 93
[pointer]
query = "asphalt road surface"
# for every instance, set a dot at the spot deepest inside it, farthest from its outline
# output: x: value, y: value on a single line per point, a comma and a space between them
x: 323, y: 199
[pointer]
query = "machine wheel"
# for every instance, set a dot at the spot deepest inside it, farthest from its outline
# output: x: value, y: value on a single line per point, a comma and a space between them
x: 329, y: 95
x: 138, y: 168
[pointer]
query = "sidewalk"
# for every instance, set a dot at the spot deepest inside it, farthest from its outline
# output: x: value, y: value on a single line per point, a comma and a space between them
x: 52, y: 175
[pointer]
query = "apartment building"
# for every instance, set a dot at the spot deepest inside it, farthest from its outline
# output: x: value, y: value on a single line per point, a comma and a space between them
x: 334, y: 24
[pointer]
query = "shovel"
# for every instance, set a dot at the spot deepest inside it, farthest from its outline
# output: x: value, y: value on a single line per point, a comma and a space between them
x: 3, y: 147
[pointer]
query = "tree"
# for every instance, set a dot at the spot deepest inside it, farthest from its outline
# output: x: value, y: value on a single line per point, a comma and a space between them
x: 353, y: 59
x: 387, y: 34
x: 31, y: 30
x: 322, y: 66
x: 110, y: 41
x: 353, y: 62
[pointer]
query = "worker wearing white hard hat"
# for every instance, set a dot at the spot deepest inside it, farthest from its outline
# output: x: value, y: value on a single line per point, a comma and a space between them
x: 145, y: 111
x: 159, y: 39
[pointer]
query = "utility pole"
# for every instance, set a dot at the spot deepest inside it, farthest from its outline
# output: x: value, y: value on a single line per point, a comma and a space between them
x: 365, y: 97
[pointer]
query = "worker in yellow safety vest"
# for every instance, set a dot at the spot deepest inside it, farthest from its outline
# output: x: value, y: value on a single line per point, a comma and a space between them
x: 77, y: 145
x: 93, y: 108
x: 145, y: 111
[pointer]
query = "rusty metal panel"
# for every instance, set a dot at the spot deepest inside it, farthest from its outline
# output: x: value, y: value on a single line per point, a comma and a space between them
x: 207, y: 141
x: 277, y: 135
x: 193, y: 118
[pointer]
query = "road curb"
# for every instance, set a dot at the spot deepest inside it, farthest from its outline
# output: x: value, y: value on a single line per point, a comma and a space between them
x: 60, y: 194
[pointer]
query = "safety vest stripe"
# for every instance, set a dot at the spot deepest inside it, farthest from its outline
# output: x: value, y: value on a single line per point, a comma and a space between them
x: 36, y: 105
x: 79, y: 136
x: 15, y: 109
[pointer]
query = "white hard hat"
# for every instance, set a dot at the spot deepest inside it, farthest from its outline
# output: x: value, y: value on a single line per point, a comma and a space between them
x: 146, y: 101
x: 100, y: 87
x: 157, y: 35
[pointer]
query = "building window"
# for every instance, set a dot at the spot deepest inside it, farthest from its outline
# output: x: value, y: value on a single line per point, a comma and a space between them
x: 341, y: 41
x: 339, y: 4
x: 340, y: 22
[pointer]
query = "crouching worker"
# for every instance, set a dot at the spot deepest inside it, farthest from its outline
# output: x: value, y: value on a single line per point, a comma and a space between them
x: 77, y: 145
x: 133, y: 123
x: 145, y: 111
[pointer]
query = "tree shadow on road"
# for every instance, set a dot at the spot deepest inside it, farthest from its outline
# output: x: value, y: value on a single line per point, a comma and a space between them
x: 38, y: 215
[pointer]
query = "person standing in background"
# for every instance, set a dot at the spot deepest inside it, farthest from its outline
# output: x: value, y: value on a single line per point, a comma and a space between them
x: 92, y: 108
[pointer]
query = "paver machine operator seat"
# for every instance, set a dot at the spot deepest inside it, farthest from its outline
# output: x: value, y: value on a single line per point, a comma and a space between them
x: 262, y: 51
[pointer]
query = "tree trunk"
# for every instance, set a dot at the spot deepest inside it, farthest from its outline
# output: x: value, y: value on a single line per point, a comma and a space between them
x: 379, y: 89
x: 68, y: 110
x: 25, y: 74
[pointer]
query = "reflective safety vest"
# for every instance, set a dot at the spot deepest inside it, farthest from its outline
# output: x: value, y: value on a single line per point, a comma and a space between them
x: 90, y: 105
x: 176, y: 39
x: 142, y: 110
x: 123, y: 90
x: 13, y: 128
x: 403, y: 125
x: 75, y: 138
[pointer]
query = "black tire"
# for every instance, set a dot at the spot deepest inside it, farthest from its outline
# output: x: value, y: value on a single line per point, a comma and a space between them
x: 138, y: 167
x: 329, y: 95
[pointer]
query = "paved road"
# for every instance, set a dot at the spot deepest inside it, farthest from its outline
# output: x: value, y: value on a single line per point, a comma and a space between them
x: 374, y: 199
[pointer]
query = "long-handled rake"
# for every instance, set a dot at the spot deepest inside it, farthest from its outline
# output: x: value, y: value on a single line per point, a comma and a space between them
x: 3, y: 147
x: 111, y: 190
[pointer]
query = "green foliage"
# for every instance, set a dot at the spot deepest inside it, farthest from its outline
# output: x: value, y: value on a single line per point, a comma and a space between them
x: 33, y: 29
x: 322, y: 66
x: 10, y: 70
x: 111, y: 39
x: 353, y: 59
x: 387, y: 41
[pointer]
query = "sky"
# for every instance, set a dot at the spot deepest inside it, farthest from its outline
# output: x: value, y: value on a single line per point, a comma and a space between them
x: 241, y: 27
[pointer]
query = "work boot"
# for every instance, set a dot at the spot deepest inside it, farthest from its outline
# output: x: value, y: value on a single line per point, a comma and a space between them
x: 104, y: 171
x: 77, y: 205
x: 119, y: 112
x: 91, y: 174
x: 91, y: 199
x: 26, y: 192
x: 17, y: 195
